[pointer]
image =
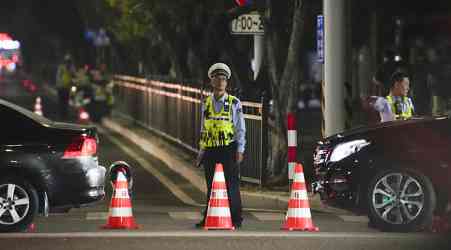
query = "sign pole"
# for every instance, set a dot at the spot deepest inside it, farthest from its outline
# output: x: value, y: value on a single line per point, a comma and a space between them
x: 258, y: 54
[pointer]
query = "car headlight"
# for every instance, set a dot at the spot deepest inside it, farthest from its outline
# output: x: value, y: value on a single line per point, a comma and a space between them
x: 346, y: 149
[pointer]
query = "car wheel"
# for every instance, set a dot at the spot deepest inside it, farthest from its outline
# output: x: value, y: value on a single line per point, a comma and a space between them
x: 401, y: 201
x: 19, y: 204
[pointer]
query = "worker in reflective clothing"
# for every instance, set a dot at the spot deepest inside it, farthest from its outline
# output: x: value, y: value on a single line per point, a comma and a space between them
x: 64, y: 81
x: 397, y: 105
x: 222, y: 139
x: 101, y: 92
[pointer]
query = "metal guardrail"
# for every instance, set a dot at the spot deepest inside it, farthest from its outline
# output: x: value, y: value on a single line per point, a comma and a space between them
x: 174, y: 112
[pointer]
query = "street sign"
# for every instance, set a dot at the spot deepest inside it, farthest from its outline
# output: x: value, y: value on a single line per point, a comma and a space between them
x: 248, y: 24
x: 320, y: 38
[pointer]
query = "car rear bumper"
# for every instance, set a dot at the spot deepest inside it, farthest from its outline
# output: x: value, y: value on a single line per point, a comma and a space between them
x: 78, y: 188
x: 95, y: 188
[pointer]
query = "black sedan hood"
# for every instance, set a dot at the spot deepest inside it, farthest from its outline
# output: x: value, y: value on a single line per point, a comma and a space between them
x: 346, y: 135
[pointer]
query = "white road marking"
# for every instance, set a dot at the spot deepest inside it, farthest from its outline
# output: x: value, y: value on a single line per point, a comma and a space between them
x: 178, y: 192
x: 225, y: 234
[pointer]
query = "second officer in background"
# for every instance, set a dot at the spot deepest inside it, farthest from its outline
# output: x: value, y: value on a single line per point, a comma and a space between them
x: 222, y: 139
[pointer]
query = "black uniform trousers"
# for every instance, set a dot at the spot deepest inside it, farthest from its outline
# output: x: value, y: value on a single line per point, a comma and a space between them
x: 225, y: 155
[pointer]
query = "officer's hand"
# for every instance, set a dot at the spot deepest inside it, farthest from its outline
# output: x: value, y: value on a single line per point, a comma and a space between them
x: 239, y: 157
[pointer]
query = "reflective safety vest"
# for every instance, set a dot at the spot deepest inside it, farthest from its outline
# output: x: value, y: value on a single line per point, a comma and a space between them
x: 99, y: 93
x: 402, y: 110
x: 218, y: 127
x: 64, y: 79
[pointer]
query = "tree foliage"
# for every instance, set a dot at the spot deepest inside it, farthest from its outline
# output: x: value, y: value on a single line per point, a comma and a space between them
x: 176, y: 38
x: 181, y: 39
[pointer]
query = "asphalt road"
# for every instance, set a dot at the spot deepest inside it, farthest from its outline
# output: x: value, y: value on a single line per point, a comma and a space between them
x: 167, y: 223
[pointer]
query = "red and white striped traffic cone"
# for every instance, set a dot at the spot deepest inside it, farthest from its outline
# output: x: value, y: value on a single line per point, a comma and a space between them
x: 120, y: 212
x: 298, y: 215
x: 292, y: 143
x: 38, y: 106
x: 83, y: 116
x: 218, y: 212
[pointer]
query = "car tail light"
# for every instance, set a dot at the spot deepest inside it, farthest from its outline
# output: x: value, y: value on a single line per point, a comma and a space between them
x: 81, y: 146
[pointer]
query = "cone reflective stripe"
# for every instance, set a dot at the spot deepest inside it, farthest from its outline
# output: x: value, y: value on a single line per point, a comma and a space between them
x: 38, y: 106
x: 292, y: 143
x: 120, y: 212
x: 298, y: 215
x: 218, y: 212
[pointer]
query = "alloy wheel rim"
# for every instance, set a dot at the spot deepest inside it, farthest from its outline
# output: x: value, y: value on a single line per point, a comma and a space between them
x: 398, y: 198
x: 14, y: 204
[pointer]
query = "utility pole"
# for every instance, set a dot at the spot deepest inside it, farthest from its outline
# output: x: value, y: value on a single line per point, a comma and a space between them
x: 335, y: 65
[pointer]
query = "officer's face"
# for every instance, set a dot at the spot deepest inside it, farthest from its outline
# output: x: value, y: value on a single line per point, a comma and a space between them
x: 219, y: 82
x: 403, y: 86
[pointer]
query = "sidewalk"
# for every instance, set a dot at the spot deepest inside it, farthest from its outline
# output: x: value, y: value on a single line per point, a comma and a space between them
x: 180, y: 161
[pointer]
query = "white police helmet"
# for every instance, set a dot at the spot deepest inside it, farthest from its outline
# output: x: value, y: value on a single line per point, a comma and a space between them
x: 219, y: 68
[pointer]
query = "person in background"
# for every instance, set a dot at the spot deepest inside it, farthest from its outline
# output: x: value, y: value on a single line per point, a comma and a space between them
x: 381, y: 80
x: 108, y: 84
x: 99, y: 105
x: 83, y: 85
x: 396, y: 105
x: 64, y: 81
x: 222, y: 139
x: 82, y: 77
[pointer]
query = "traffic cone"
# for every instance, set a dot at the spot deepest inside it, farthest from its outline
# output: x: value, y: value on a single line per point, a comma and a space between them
x: 218, y: 212
x: 298, y: 215
x: 38, y: 106
x: 120, y: 212
x: 83, y: 116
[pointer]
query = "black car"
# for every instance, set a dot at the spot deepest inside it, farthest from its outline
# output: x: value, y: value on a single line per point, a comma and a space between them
x: 44, y: 165
x: 398, y: 172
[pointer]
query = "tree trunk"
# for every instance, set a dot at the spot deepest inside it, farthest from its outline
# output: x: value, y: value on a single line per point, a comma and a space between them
x: 284, y: 80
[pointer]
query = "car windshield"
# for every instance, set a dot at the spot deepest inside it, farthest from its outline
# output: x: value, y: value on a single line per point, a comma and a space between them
x: 38, y: 118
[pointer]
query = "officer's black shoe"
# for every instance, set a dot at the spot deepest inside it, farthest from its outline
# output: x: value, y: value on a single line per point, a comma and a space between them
x: 237, y: 225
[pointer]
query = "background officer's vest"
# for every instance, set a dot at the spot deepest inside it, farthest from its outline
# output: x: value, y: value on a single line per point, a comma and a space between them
x: 218, y: 127
x: 64, y: 79
x: 398, y: 110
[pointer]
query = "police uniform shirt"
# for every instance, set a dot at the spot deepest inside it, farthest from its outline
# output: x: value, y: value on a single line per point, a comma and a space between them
x: 385, y: 110
x: 237, y: 119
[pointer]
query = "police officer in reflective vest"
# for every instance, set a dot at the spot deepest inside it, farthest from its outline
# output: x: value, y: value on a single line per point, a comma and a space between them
x: 222, y: 138
x: 397, y: 105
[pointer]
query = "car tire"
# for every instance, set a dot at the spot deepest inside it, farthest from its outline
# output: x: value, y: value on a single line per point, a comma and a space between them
x: 406, y: 207
x: 24, y: 213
